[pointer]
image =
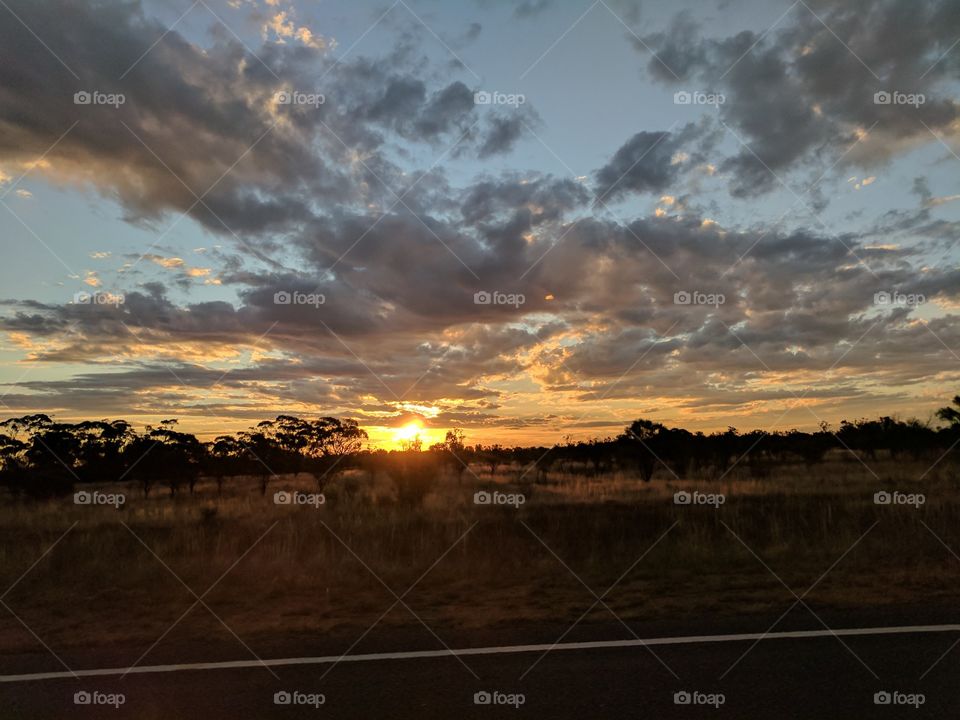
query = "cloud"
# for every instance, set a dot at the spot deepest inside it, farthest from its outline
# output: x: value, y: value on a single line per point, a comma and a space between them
x: 798, y: 97
x: 165, y: 262
x: 334, y: 296
x: 252, y: 167
x: 649, y: 162
x: 503, y: 130
x: 937, y: 201
x: 399, y: 321
x: 530, y: 8
x: 282, y: 27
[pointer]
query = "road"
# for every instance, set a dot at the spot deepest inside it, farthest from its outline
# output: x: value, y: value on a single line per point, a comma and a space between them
x: 795, y: 672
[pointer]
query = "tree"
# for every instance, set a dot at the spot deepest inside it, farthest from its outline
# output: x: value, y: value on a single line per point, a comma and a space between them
x: 492, y: 456
x: 165, y: 454
x: 674, y: 446
x: 41, y: 457
x: 332, y: 440
x: 811, y: 447
x: 283, y: 440
x: 49, y: 454
x: 866, y: 436
x: 413, y: 445
x: 639, y: 439
x: 102, y: 442
x: 294, y: 444
x: 951, y: 414
x: 337, y: 438
x: 13, y: 464
x: 261, y: 453
x: 222, y: 459
x: 452, y: 453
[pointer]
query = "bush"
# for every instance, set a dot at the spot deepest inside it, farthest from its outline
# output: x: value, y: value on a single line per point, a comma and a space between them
x: 414, y: 475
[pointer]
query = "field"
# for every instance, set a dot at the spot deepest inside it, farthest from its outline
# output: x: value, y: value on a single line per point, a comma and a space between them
x: 120, y: 577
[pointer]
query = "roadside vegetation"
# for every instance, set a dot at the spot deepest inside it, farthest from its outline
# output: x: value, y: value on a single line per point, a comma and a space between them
x: 795, y: 502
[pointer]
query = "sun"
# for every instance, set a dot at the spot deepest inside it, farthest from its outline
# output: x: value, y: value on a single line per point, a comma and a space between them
x: 407, y: 433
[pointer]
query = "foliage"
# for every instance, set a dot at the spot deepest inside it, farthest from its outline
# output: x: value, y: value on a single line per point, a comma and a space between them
x: 40, y: 457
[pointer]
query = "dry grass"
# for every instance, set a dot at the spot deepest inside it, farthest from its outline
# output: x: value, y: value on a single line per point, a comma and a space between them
x: 295, y: 571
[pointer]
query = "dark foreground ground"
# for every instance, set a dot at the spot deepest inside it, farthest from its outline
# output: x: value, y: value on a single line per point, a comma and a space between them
x: 777, y: 678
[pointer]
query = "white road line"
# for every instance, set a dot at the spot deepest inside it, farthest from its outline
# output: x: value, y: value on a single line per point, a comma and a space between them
x: 501, y: 650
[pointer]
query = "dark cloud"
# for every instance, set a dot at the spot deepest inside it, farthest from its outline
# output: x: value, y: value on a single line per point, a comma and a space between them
x: 448, y: 108
x: 643, y: 164
x: 502, y: 132
x: 472, y: 33
x: 203, y: 122
x: 546, y: 198
x: 679, y: 52
x: 399, y: 313
x: 803, y: 94
x: 530, y: 8
x: 648, y: 162
x: 189, y: 116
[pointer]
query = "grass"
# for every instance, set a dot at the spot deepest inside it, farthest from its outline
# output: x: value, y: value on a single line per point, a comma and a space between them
x: 290, y: 569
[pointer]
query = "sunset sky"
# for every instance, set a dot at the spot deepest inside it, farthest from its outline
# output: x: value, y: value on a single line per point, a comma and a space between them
x: 152, y: 236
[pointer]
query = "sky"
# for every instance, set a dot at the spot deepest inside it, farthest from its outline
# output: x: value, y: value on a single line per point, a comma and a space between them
x: 530, y: 219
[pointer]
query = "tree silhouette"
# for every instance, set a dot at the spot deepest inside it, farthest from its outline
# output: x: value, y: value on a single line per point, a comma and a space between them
x: 41, y: 458
x: 639, y: 441
x: 261, y: 453
x: 102, y: 443
x: 49, y: 452
x: 454, y: 451
x: 164, y: 454
x: 951, y: 414
x: 222, y: 460
x: 13, y: 464
x: 330, y: 441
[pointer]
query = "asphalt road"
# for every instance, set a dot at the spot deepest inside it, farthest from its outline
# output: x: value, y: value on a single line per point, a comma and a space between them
x: 782, y: 677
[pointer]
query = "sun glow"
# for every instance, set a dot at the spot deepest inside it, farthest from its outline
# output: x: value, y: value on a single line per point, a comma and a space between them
x: 407, y: 433
x: 408, y: 436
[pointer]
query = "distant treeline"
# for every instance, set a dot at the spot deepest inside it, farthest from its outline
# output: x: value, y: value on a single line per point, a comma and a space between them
x: 42, y: 458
